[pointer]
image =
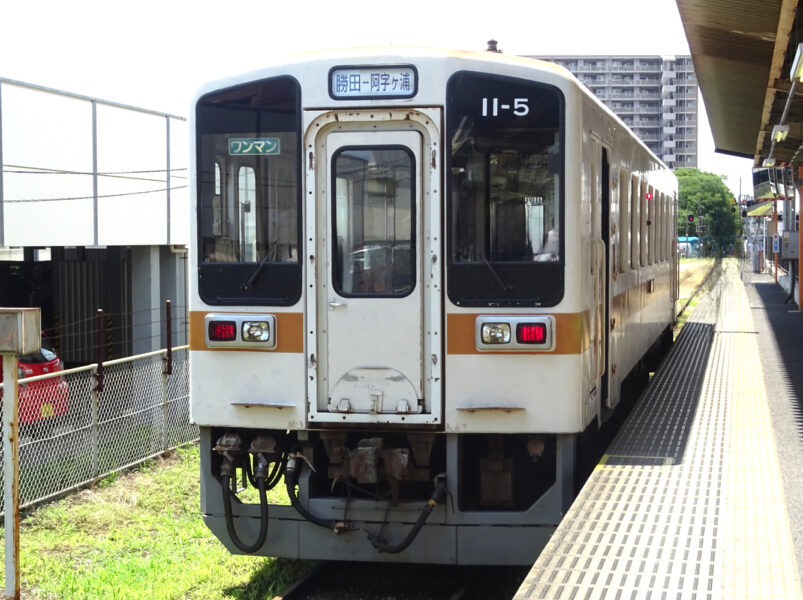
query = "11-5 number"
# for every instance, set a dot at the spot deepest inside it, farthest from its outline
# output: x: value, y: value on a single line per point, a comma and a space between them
x: 520, y: 107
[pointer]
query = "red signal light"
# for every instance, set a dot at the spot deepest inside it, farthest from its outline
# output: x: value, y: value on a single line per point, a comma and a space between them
x: 648, y: 195
x: 222, y: 331
x: 531, y: 333
x: 690, y: 218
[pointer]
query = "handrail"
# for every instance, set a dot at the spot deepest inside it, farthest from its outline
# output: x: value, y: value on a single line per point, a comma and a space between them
x: 48, y: 90
x: 91, y: 366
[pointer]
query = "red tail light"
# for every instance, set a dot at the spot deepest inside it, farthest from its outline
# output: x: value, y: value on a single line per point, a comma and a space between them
x: 222, y: 331
x: 531, y: 333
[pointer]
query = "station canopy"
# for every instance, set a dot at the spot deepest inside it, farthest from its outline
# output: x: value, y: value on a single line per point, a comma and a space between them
x: 743, y: 52
x: 761, y: 210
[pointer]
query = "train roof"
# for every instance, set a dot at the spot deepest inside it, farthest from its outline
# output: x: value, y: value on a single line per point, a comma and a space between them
x: 397, y: 54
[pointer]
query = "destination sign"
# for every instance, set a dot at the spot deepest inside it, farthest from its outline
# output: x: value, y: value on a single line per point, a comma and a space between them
x: 261, y: 146
x: 373, y: 82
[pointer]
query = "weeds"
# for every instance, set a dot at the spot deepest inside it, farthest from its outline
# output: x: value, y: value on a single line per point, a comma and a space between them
x: 140, y: 535
x: 694, y: 275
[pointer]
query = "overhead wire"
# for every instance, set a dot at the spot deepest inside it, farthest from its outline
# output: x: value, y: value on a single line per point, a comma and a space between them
x: 21, y: 200
x: 128, y: 175
x: 21, y: 169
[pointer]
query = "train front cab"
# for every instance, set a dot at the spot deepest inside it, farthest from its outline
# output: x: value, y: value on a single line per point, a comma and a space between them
x: 384, y: 311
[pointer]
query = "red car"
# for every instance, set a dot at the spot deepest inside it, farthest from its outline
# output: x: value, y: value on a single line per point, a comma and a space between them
x: 43, y: 399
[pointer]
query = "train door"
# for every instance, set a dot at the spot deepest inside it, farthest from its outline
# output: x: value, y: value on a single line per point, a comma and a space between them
x: 605, y: 231
x: 674, y: 258
x: 371, y: 299
x: 600, y: 263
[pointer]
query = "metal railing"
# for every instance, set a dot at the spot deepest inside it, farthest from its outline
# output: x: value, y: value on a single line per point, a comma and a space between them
x: 77, y: 427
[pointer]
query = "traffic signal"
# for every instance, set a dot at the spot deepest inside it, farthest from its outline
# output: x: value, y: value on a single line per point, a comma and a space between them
x: 690, y: 218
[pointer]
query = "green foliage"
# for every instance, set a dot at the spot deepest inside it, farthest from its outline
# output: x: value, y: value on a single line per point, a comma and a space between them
x: 706, y: 196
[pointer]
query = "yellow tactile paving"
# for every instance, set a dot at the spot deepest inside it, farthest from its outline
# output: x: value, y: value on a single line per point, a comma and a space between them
x: 758, y: 556
x: 689, y: 501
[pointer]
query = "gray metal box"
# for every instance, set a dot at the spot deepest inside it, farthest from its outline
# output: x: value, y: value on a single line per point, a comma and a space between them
x: 789, y: 245
x: 20, y: 330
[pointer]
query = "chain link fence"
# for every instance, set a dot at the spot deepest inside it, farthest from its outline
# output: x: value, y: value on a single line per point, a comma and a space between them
x: 74, y: 431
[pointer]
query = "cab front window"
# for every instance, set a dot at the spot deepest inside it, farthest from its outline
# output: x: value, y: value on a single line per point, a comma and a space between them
x: 249, y: 194
x: 505, y: 191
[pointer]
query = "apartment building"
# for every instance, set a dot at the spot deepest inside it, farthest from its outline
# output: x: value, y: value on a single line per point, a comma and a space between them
x: 656, y: 96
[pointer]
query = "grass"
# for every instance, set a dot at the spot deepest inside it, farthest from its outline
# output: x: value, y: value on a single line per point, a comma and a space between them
x: 693, y: 272
x: 140, y: 535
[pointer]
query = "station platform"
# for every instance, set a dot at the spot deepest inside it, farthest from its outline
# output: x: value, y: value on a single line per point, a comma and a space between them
x: 689, y: 501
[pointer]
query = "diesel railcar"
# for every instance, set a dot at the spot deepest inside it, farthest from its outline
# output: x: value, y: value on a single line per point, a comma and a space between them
x: 423, y: 280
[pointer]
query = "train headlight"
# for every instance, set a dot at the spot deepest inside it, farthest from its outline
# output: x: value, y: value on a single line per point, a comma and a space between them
x: 240, y: 331
x: 495, y: 333
x: 256, y: 331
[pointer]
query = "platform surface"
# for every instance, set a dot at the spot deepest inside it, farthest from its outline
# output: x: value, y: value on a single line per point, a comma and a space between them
x: 688, y: 501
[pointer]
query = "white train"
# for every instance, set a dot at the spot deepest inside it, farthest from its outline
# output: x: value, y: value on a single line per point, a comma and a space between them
x: 423, y: 280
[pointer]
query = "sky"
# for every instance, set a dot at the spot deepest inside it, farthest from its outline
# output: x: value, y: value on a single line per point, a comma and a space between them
x: 157, y: 54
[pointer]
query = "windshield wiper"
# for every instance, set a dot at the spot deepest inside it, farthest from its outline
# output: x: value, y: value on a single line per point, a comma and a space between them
x: 497, y: 275
x: 249, y: 283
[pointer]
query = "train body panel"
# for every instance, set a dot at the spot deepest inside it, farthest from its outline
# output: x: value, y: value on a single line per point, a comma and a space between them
x: 421, y: 274
x: 241, y: 388
x: 515, y: 393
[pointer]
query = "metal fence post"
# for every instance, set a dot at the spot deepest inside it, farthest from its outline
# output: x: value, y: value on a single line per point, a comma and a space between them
x: 165, y: 445
x: 96, y: 391
x: 20, y: 330
x: 167, y: 371
x: 99, y: 353
x: 11, y: 473
x: 169, y: 336
x: 94, y: 427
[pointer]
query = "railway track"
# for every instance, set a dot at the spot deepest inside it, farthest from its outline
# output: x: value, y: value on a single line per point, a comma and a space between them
x: 335, y: 580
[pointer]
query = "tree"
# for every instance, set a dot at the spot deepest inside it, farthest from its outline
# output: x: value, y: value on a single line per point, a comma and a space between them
x: 706, y: 196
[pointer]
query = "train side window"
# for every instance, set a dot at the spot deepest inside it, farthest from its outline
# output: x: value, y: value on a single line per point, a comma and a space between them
x: 247, y: 213
x: 664, y: 221
x: 642, y: 224
x: 659, y: 226
x: 217, y: 204
x: 643, y: 240
x: 665, y: 229
x: 624, y: 221
x: 635, y: 227
x: 671, y: 226
x: 659, y: 231
x: 673, y: 232
x: 649, y: 226
x: 671, y: 217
